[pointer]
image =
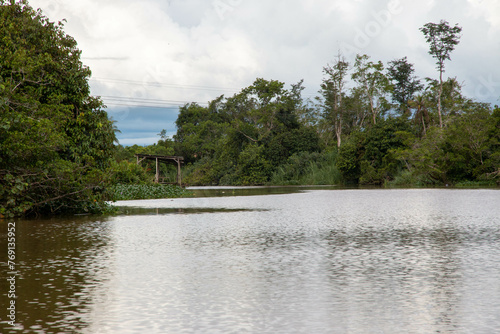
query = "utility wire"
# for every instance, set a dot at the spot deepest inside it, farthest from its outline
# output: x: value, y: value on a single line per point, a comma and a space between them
x: 139, y: 99
x: 145, y: 103
x: 153, y: 103
x: 156, y: 103
x: 142, y: 106
x: 161, y: 84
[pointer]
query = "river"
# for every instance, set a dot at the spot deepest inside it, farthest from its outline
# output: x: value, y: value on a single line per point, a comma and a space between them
x: 276, y: 260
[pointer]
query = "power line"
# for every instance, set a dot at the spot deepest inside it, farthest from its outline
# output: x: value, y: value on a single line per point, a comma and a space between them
x: 169, y: 85
x: 162, y: 84
x: 156, y: 103
x: 153, y: 103
x: 142, y: 106
x: 139, y: 99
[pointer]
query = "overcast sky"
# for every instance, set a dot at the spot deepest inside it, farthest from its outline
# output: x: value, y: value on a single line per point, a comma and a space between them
x: 165, y: 53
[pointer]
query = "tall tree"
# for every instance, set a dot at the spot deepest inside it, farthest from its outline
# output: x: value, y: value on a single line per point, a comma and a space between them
x: 333, y: 90
x: 442, y: 39
x: 404, y: 83
x: 373, y: 82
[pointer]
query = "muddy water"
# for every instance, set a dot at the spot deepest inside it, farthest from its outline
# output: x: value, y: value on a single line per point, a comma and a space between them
x: 279, y: 261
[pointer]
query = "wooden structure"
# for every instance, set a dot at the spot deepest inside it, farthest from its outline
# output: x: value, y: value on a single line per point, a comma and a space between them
x: 163, y: 158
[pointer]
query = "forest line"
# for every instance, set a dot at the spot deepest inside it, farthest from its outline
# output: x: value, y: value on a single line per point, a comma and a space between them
x: 58, y: 151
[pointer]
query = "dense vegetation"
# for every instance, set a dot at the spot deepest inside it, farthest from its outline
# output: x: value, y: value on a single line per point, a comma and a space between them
x: 56, y: 140
x: 388, y: 128
x: 371, y: 124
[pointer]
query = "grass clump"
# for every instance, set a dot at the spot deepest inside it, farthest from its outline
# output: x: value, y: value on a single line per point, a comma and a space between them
x: 125, y: 192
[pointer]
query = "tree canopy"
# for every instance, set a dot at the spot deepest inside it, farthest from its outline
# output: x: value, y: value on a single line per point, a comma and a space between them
x: 372, y: 124
x: 56, y: 140
x: 240, y: 139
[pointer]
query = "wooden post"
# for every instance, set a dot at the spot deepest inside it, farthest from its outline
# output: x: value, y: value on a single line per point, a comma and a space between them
x: 157, y: 177
x: 179, y: 177
x: 170, y: 159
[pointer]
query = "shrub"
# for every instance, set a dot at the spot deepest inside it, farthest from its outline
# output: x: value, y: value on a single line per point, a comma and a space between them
x: 125, y: 172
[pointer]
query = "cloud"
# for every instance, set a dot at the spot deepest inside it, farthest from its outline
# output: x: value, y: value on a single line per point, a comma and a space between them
x: 196, y: 50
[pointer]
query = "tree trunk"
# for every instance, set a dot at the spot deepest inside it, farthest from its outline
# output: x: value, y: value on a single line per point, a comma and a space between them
x: 439, y: 97
x: 338, y: 132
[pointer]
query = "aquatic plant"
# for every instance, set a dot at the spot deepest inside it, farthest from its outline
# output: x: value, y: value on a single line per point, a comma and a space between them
x: 123, y: 192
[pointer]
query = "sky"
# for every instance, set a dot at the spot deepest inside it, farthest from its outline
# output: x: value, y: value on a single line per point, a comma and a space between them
x: 149, y: 57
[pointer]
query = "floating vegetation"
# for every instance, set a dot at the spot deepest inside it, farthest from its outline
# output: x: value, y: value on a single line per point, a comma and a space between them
x: 124, y: 192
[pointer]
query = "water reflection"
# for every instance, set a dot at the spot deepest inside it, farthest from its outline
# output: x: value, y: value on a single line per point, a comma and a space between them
x: 322, y: 261
x: 221, y: 191
x: 62, y: 264
x: 137, y: 211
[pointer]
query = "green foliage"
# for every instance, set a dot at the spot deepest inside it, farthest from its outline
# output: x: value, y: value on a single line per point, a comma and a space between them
x: 373, y: 84
x: 253, y: 168
x: 91, y: 137
x: 367, y: 157
x: 442, y: 39
x: 268, y: 134
x: 124, y: 192
x: 284, y: 144
x: 210, y: 171
x: 56, y: 141
x: 464, y: 151
x: 308, y: 168
x: 61, y: 186
x: 242, y: 139
x: 332, y: 101
x: 198, y: 130
x: 202, y: 172
x: 125, y: 168
x: 476, y: 184
x: 125, y: 172
x: 349, y: 158
x: 404, y: 83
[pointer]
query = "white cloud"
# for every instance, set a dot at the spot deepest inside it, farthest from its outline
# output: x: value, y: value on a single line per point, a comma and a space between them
x: 228, y: 43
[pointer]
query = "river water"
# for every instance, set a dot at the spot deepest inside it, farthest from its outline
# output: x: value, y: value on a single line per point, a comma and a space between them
x: 291, y: 260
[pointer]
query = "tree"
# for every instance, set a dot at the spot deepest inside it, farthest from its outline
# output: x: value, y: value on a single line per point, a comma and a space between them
x: 333, y: 90
x: 404, y: 83
x: 442, y: 39
x: 355, y: 103
x: 56, y: 141
x: 198, y: 130
x: 373, y: 83
x: 264, y: 108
